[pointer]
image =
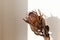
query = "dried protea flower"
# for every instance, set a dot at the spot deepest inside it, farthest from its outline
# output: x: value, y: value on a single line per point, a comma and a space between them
x: 37, y: 23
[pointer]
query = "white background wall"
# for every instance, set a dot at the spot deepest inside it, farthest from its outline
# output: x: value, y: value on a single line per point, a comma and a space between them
x: 50, y: 8
x: 12, y: 27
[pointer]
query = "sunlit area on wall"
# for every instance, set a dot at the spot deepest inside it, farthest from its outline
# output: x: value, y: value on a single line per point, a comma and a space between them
x: 50, y: 8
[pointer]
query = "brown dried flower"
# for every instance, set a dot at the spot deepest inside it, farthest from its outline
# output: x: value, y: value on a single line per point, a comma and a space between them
x: 37, y: 23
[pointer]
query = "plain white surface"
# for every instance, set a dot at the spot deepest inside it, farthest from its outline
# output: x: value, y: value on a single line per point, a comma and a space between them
x: 51, y: 9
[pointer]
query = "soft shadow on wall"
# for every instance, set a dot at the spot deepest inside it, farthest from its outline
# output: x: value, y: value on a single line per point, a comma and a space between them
x: 54, y: 24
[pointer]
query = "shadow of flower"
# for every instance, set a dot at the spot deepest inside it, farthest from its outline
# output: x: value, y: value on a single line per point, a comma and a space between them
x: 54, y: 24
